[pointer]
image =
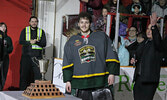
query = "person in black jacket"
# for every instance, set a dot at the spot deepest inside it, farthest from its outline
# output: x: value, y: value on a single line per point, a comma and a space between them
x: 33, y: 40
x: 133, y: 47
x: 147, y: 72
x: 1, y: 53
x: 7, y: 49
x: 1, y: 43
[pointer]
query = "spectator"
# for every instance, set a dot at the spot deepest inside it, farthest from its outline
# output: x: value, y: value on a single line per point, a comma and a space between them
x: 94, y: 7
x: 7, y: 49
x: 132, y: 36
x: 112, y: 5
x: 160, y: 8
x: 137, y: 22
x: 123, y: 53
x: 136, y: 9
x: 102, y: 21
x: 133, y: 47
x: 130, y: 7
x: 122, y: 30
x: 147, y: 5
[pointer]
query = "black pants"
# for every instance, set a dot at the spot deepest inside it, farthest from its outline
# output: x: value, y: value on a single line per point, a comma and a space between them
x: 4, y: 70
x: 1, y: 88
x: 144, y: 90
x: 29, y: 72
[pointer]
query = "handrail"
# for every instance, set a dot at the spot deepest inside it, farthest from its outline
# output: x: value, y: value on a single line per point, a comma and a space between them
x: 130, y: 15
x: 135, y: 66
x: 130, y: 19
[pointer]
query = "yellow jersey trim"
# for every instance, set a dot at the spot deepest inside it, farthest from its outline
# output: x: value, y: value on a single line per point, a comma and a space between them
x: 112, y: 60
x: 67, y: 66
x: 89, y: 75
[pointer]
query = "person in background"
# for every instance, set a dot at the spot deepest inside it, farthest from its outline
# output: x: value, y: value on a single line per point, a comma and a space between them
x: 1, y: 44
x: 7, y: 49
x: 102, y: 21
x: 136, y: 9
x: 123, y: 53
x: 123, y: 28
x: 89, y: 63
x: 112, y: 5
x: 147, y: 5
x: 93, y: 7
x: 133, y: 47
x: 33, y: 40
x: 132, y: 36
x: 147, y: 61
x: 138, y: 22
x: 160, y: 8
x: 136, y: 2
x: 1, y: 53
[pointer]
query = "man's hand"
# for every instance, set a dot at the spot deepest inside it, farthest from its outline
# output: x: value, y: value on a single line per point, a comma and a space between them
x: 86, y: 1
x: 68, y: 87
x: 132, y: 61
x: 33, y: 41
x: 154, y: 19
x: 110, y: 79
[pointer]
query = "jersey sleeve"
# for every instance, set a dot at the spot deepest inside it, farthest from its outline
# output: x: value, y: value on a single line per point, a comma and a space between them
x: 112, y: 62
x: 67, y: 63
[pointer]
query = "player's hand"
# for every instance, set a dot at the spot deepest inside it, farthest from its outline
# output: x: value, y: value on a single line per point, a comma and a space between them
x: 154, y: 19
x: 110, y: 79
x: 68, y: 86
x: 132, y: 61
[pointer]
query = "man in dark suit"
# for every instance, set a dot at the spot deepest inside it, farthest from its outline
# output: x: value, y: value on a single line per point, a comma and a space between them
x: 147, y: 72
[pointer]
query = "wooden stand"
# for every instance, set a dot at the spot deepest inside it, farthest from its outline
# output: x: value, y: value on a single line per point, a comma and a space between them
x: 42, y: 89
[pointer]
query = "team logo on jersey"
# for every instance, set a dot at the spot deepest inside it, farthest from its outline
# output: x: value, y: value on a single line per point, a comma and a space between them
x: 87, y: 53
x: 77, y: 43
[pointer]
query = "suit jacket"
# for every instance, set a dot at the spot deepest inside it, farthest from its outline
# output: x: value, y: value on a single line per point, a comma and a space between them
x: 148, y: 58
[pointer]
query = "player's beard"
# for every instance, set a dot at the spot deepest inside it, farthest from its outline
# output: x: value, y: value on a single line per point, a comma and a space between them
x: 86, y: 31
x: 34, y: 28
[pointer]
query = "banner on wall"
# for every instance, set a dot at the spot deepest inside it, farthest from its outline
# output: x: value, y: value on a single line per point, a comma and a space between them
x: 123, y: 83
